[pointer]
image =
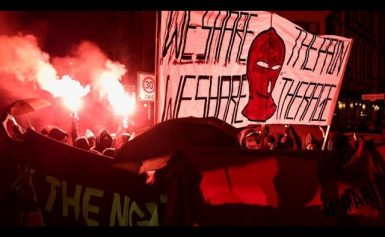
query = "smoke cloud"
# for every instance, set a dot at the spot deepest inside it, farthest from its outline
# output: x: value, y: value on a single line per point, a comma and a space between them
x: 26, y: 71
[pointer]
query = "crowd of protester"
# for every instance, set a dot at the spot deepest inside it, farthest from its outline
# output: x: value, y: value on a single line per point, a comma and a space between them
x: 104, y: 142
x: 258, y: 137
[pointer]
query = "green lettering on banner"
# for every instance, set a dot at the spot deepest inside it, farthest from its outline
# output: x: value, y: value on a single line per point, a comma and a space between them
x: 52, y: 193
x: 71, y: 201
x: 134, y: 208
x: 122, y: 211
x: 90, y: 208
x: 123, y: 217
x: 116, y: 211
x: 152, y: 208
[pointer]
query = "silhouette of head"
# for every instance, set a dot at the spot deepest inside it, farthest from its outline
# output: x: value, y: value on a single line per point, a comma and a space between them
x: 58, y: 134
x: 103, y: 140
x: 82, y: 143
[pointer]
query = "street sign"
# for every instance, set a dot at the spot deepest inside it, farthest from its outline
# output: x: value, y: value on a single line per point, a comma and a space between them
x: 373, y: 97
x: 146, y: 86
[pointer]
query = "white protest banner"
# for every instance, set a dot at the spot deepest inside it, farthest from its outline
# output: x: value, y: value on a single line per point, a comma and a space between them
x: 247, y: 67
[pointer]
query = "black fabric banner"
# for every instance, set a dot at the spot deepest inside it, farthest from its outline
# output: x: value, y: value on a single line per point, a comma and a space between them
x: 77, y: 187
x: 195, y: 186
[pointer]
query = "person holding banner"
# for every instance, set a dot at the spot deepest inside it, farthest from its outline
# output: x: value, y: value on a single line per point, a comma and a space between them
x: 12, y: 128
x: 309, y: 142
x: 290, y: 134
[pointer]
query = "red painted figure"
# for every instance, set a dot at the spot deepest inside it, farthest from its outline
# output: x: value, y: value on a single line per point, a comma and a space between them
x: 265, y: 59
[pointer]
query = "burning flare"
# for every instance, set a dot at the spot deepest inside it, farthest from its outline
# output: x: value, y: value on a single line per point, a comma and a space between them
x: 71, y: 92
x: 122, y: 103
x: 21, y: 56
x: 22, y: 59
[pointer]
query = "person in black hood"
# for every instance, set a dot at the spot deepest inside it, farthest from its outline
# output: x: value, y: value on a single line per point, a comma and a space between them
x: 82, y: 143
x: 58, y: 134
x: 103, y: 140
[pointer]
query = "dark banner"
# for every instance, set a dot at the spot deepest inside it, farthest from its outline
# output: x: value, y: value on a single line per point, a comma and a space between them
x: 76, y: 187
x: 260, y: 188
x: 196, y: 186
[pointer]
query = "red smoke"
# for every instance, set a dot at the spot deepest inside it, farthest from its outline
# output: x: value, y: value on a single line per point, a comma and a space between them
x: 26, y: 72
x: 89, y: 65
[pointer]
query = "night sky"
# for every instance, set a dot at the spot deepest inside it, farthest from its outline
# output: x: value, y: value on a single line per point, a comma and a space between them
x: 125, y: 36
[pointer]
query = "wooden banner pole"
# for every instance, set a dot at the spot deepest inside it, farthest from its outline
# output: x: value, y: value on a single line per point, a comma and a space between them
x: 326, y: 137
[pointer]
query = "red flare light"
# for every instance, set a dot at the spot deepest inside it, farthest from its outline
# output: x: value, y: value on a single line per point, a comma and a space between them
x: 121, y: 102
x: 71, y: 92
